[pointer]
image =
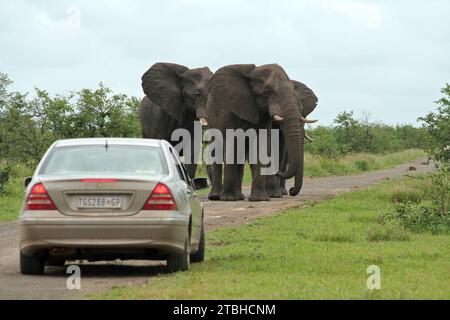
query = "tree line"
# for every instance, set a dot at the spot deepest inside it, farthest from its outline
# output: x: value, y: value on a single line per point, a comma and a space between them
x: 29, y: 126
x: 349, y: 135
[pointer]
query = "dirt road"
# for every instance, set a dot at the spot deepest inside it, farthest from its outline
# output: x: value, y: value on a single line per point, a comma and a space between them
x: 102, y: 276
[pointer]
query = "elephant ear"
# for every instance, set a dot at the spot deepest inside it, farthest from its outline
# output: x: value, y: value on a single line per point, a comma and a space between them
x: 306, y: 96
x: 231, y: 91
x: 162, y: 85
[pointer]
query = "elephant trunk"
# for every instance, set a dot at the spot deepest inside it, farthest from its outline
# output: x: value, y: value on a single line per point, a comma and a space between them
x: 293, y: 136
x: 299, y: 176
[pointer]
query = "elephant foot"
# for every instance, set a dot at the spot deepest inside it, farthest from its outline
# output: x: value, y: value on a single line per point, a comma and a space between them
x: 275, y: 193
x: 241, y: 196
x: 258, y: 196
x: 214, y: 197
x: 229, y: 197
x: 285, y: 193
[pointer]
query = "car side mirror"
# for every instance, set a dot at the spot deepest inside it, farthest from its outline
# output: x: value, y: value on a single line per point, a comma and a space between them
x: 201, y: 183
x: 27, y: 181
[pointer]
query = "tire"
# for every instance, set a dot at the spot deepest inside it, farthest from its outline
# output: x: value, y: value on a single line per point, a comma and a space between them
x: 199, y: 256
x: 180, y: 262
x: 55, y: 263
x: 31, y: 265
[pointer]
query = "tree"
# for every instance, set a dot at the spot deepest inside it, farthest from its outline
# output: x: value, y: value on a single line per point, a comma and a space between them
x: 28, y: 127
x: 100, y: 113
x: 437, y: 125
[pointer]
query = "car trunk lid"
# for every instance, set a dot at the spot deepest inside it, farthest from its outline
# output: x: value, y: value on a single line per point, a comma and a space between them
x: 99, y: 196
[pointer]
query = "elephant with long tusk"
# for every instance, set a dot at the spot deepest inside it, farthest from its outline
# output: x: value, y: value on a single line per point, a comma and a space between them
x: 306, y: 103
x: 255, y: 97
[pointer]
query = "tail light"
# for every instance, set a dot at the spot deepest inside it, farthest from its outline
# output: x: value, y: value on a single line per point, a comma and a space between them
x: 160, y: 199
x: 38, y: 199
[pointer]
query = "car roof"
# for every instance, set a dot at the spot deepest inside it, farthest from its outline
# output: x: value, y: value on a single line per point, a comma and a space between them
x: 110, y: 141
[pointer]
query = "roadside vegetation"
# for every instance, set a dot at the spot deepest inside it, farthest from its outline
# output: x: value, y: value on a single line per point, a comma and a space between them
x: 429, y: 210
x: 321, y: 251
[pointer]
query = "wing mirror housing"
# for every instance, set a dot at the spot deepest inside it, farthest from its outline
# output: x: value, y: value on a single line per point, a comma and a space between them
x: 201, y: 183
x: 27, y: 181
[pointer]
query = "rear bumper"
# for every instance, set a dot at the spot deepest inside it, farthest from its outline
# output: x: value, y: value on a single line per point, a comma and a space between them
x: 165, y: 234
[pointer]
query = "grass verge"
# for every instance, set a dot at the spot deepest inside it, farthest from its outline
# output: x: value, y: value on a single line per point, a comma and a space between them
x: 320, y: 252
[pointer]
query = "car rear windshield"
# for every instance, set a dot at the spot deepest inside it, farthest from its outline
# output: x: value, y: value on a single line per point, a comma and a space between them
x: 127, y: 160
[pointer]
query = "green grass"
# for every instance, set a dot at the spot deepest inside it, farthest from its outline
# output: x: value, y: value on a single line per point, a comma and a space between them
x: 319, y: 252
x: 357, y: 163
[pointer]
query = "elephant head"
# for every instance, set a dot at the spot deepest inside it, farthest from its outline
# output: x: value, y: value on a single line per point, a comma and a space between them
x: 252, y: 92
x: 180, y: 91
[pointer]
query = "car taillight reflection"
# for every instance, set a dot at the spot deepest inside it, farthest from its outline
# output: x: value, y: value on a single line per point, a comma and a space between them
x: 160, y: 199
x: 38, y: 199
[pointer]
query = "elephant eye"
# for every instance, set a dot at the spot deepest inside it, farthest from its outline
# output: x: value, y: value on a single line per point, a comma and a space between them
x: 267, y: 91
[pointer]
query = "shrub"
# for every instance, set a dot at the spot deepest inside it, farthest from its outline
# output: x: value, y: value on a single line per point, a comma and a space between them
x: 440, y: 190
x: 420, y: 218
x: 422, y: 204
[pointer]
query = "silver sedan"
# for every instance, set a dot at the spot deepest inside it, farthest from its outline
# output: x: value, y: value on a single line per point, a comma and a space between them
x: 107, y: 199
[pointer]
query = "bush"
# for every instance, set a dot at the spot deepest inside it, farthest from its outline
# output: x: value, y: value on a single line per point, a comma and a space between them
x: 418, y: 215
x: 420, y: 218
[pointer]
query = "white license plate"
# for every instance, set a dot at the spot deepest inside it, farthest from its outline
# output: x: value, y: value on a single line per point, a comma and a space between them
x: 99, y: 202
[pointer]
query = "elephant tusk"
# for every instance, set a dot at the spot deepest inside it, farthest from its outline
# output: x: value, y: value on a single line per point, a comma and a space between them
x: 204, y: 122
x: 278, y: 118
x: 309, y: 138
x: 303, y: 119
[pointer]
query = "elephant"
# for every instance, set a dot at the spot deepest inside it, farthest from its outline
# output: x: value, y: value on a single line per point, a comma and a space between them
x: 307, y: 102
x: 247, y: 96
x: 175, y: 97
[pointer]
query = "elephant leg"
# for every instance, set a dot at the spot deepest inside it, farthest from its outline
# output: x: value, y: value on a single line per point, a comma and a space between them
x: 209, y: 171
x: 283, y: 186
x: 216, y: 182
x: 273, y: 186
x: 239, y: 176
x: 258, y: 192
x: 191, y: 169
x: 229, y: 183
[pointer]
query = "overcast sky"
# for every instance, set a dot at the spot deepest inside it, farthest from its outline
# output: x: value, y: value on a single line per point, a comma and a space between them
x: 387, y: 58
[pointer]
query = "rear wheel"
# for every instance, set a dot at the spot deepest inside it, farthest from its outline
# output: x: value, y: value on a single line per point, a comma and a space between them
x: 199, y: 256
x: 55, y: 263
x: 31, y: 264
x: 180, y: 262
